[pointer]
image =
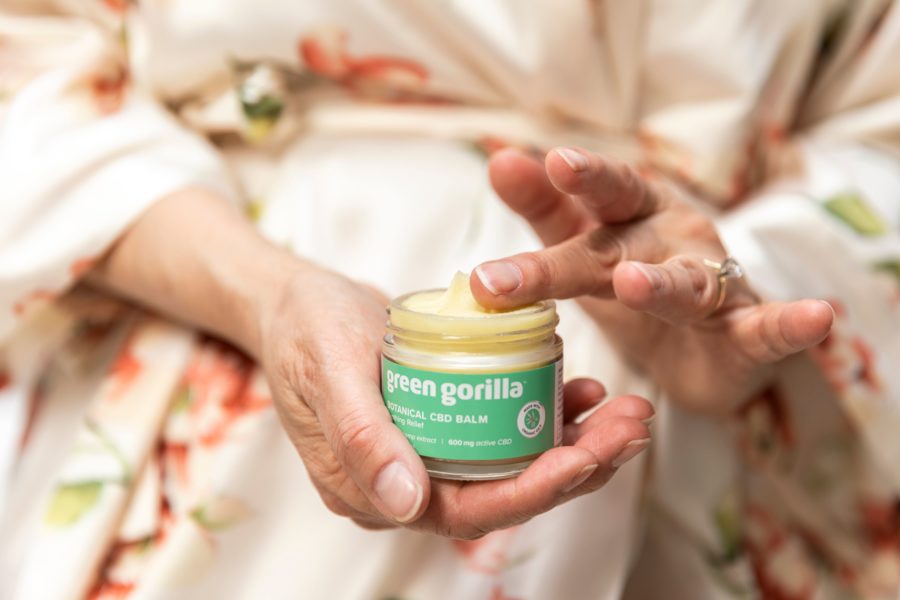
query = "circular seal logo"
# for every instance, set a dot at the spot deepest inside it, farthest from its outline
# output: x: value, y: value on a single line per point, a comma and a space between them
x: 531, y: 419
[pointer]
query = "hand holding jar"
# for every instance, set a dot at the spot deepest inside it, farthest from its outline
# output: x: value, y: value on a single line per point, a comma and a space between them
x: 322, y: 352
x: 649, y: 269
x: 318, y: 337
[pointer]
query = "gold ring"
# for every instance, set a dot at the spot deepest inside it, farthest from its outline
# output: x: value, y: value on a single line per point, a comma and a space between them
x: 725, y: 270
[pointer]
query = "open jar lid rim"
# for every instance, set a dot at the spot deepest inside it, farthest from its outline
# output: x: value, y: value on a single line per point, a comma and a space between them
x: 539, y: 316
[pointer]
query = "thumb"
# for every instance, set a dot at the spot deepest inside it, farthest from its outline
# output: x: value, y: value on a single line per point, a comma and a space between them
x: 581, y: 265
x: 771, y: 331
x: 372, y: 450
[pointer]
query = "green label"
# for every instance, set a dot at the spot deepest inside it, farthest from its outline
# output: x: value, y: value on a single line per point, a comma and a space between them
x: 483, y: 416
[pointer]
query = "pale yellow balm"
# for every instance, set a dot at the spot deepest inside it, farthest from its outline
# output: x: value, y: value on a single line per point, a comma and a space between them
x: 454, y: 311
x: 477, y: 392
x: 456, y: 301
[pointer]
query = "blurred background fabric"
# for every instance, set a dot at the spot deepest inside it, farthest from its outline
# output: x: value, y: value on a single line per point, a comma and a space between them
x: 140, y: 459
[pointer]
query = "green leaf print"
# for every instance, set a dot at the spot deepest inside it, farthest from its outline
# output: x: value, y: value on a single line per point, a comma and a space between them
x: 183, y: 400
x: 891, y: 267
x: 728, y: 525
x: 108, y: 444
x: 726, y: 563
x: 254, y: 209
x: 519, y: 559
x: 854, y: 212
x: 220, y: 513
x: 261, y: 92
x: 267, y: 107
x: 71, y: 501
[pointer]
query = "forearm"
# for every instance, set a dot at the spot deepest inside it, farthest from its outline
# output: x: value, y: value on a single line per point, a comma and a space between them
x: 195, y: 258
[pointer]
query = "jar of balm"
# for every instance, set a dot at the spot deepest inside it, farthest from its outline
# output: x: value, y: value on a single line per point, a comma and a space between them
x: 478, y: 393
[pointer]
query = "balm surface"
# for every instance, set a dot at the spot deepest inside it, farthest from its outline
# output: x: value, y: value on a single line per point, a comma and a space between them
x: 454, y: 311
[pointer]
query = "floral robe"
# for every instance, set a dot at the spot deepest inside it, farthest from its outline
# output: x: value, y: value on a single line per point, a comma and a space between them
x: 139, y: 459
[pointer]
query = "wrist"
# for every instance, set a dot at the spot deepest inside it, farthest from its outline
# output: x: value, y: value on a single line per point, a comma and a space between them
x: 193, y: 256
x: 254, y: 283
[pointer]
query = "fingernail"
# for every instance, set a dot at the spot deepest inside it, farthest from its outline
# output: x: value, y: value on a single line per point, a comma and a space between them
x: 399, y: 491
x: 575, y: 159
x: 649, y: 272
x: 828, y: 304
x: 581, y: 477
x: 499, y: 277
x: 631, y: 449
x: 649, y: 419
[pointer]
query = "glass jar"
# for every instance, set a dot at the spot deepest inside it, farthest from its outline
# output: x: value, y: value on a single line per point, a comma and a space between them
x: 478, y: 396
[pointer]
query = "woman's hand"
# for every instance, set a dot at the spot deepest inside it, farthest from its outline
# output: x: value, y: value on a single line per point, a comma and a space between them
x: 632, y: 252
x: 318, y: 337
x: 321, y: 351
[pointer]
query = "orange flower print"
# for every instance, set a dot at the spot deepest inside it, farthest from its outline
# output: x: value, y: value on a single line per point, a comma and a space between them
x: 231, y: 410
x: 31, y: 301
x: 324, y: 52
x: 747, y: 172
x: 666, y: 157
x: 124, y: 370
x: 395, y: 71
x: 224, y: 386
x: 866, y: 369
x: 497, y: 593
x: 108, y: 90
x: 111, y: 590
x: 34, y: 403
x: 765, y: 429
x: 488, y: 555
x: 81, y: 266
x: 176, y: 458
x: 773, y: 404
x: 881, y: 520
x: 119, y: 6
x: 846, y: 360
x: 489, y: 144
x: 781, y: 566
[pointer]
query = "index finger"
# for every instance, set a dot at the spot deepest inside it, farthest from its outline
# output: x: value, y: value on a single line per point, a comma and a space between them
x: 521, y: 182
x: 611, y: 190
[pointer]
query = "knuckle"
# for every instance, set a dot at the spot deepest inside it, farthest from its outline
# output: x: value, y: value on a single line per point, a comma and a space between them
x: 623, y: 428
x: 354, y: 436
x: 634, y: 407
x: 538, y: 268
x: 467, y: 532
x: 606, y: 248
x: 695, y: 226
x: 772, y: 342
x: 699, y: 281
x: 456, y: 523
x: 702, y: 286
x: 627, y: 177
x: 298, y: 368
x: 444, y: 529
x: 326, y: 472
x: 590, y: 264
x: 516, y: 513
